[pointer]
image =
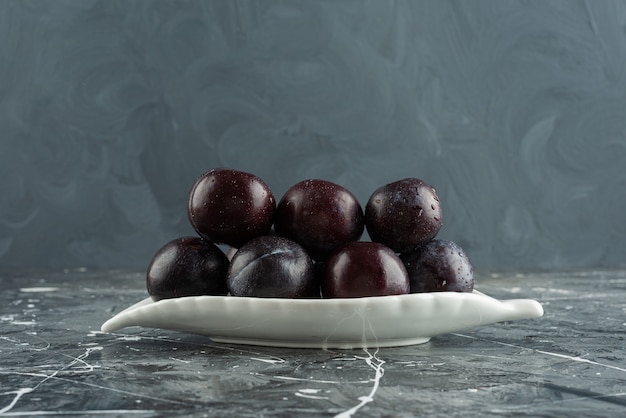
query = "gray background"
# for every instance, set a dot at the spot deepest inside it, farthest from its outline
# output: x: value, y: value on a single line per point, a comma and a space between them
x: 514, y: 111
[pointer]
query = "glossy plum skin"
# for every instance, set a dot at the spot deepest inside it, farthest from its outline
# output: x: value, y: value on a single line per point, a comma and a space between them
x: 230, y: 207
x: 272, y: 267
x: 439, y: 266
x: 187, y: 266
x: 364, y: 269
x: 403, y: 215
x: 319, y: 215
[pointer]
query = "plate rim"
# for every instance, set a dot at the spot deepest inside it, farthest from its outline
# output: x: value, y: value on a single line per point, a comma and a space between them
x: 496, y: 310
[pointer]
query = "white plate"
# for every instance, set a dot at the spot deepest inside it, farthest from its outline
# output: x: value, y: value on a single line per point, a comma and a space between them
x: 325, y: 323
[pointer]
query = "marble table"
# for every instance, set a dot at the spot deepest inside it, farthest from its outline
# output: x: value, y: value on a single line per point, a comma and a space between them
x: 55, y: 361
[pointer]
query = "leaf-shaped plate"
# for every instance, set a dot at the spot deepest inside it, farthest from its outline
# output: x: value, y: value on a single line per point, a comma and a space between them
x: 325, y: 323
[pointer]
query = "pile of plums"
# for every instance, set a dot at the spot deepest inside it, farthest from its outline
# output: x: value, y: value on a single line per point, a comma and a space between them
x: 308, y: 244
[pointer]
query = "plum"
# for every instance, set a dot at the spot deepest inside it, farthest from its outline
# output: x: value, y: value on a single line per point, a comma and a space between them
x: 230, y: 207
x: 362, y: 269
x: 319, y: 215
x: 271, y: 266
x: 187, y: 266
x: 403, y: 215
x: 439, y: 266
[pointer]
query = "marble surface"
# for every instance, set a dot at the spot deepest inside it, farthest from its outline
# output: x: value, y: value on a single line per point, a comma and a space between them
x: 55, y: 361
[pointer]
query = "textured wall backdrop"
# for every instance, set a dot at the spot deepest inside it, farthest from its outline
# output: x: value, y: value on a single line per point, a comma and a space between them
x: 515, y: 111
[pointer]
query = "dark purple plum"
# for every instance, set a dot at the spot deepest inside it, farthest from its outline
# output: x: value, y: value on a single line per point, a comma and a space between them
x: 231, y: 207
x: 403, y: 215
x: 319, y: 268
x: 319, y: 215
x: 272, y: 267
x: 439, y: 266
x: 187, y: 266
x: 362, y: 269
